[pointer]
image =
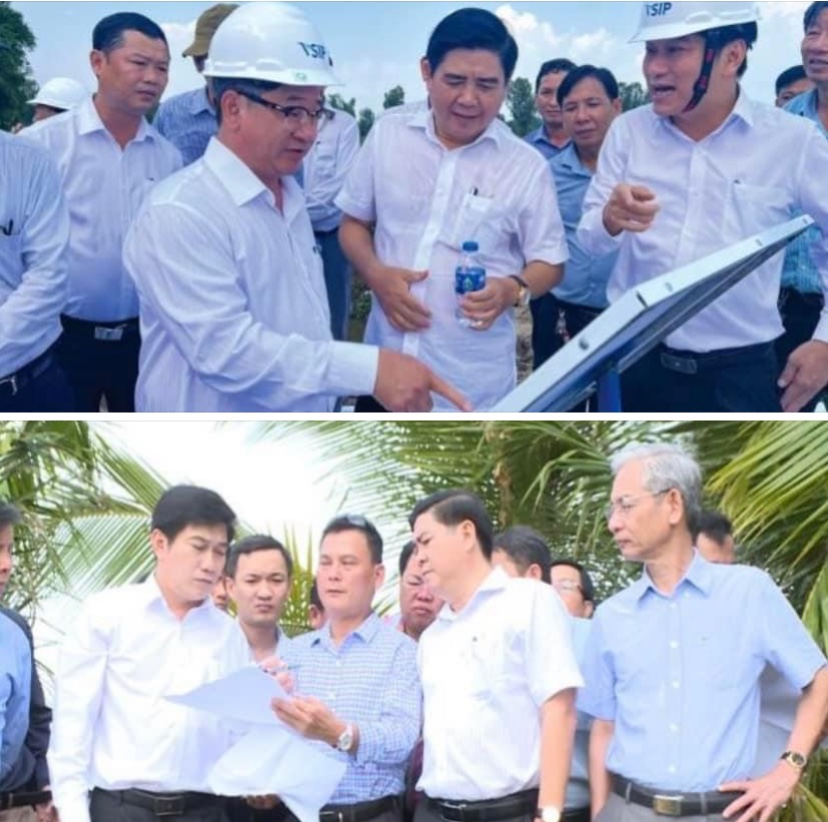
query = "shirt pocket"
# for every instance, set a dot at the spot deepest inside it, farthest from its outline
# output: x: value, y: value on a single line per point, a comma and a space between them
x: 492, y: 665
x: 479, y: 220
x: 753, y: 209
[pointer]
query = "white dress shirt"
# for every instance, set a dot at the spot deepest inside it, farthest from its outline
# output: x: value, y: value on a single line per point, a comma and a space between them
x: 234, y: 312
x: 34, y: 232
x: 326, y: 167
x: 486, y: 672
x: 112, y: 727
x: 426, y: 202
x: 750, y: 175
x: 104, y: 187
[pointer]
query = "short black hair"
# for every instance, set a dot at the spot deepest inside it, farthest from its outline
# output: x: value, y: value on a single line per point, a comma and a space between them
x: 348, y: 522
x: 472, y: 29
x: 604, y: 76
x: 406, y: 554
x: 725, y: 35
x: 9, y: 514
x: 455, y: 506
x: 587, y: 585
x: 314, y: 598
x: 251, y: 545
x: 186, y: 505
x: 790, y: 76
x: 526, y: 547
x: 559, y: 66
x: 108, y: 35
x: 219, y: 86
x: 812, y: 12
x: 714, y: 525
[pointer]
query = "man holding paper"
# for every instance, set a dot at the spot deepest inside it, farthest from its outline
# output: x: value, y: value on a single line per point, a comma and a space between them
x: 114, y: 733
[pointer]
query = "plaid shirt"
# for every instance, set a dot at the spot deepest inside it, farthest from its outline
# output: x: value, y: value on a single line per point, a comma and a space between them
x: 188, y: 122
x: 371, y: 680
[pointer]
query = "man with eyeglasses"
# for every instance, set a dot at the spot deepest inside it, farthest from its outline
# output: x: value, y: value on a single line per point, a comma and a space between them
x: 673, y: 664
x: 234, y: 312
x: 523, y: 552
x: 357, y: 691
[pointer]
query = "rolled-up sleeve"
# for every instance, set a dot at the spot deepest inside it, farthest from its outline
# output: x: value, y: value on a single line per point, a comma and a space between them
x: 357, y: 198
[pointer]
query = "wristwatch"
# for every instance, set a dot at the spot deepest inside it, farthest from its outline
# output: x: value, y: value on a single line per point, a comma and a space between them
x: 548, y: 814
x: 524, y: 294
x: 795, y: 760
x: 346, y: 739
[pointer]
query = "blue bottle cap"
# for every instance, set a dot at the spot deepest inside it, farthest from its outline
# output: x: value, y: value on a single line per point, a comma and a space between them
x: 471, y: 246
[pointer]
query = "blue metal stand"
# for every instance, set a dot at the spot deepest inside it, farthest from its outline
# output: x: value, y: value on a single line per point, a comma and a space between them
x: 609, y: 393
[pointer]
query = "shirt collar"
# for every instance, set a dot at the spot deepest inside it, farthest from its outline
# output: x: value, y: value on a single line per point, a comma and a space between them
x: 151, y: 597
x: 425, y: 120
x: 89, y: 120
x: 569, y: 158
x: 699, y: 575
x: 200, y: 102
x: 366, y: 632
x: 241, y: 183
x: 743, y: 110
x: 497, y: 580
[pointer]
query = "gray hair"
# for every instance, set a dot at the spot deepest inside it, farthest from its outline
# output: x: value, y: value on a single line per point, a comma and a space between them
x: 666, y: 466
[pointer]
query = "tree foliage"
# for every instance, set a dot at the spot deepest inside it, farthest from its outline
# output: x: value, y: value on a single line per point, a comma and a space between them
x: 16, y: 82
x: 632, y: 95
x: 394, y: 97
x: 521, y: 103
x: 365, y: 121
x: 338, y: 102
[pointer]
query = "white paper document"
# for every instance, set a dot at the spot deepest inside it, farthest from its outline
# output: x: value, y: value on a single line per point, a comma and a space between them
x: 271, y: 758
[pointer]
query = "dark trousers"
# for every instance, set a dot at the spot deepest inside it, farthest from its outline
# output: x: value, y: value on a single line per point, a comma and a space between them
x: 40, y: 386
x: 239, y: 811
x: 741, y: 380
x: 577, y: 815
x: 329, y: 815
x: 108, y: 806
x: 368, y: 405
x: 337, y: 282
x: 800, y: 315
x: 99, y: 368
x: 555, y: 323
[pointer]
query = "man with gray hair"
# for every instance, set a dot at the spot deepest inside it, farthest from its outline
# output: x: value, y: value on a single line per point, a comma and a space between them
x: 658, y: 658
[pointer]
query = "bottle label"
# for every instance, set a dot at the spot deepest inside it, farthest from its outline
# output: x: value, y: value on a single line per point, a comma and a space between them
x: 468, y: 280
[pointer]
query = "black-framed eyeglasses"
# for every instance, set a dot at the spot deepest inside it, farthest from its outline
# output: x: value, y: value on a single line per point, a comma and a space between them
x: 296, y: 115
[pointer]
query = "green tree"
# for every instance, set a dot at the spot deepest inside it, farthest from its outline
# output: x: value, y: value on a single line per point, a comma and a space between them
x: 394, y: 97
x: 16, y: 82
x: 521, y: 102
x: 365, y: 121
x: 632, y: 95
x: 340, y: 104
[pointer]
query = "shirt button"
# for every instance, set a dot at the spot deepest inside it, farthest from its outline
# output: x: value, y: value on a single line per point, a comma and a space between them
x: 672, y: 769
x: 676, y: 684
x: 332, y: 695
x: 674, y: 645
x: 672, y: 606
x: 674, y: 728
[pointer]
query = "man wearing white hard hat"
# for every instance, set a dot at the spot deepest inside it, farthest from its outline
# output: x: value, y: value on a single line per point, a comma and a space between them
x: 234, y: 315
x: 58, y: 95
x: 700, y: 170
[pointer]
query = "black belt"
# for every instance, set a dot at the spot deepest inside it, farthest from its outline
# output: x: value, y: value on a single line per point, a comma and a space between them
x: 815, y: 300
x: 23, y: 799
x: 491, y: 810
x: 102, y: 332
x: 692, y: 363
x: 360, y: 811
x: 11, y: 384
x: 670, y: 803
x: 164, y: 804
x: 585, y: 310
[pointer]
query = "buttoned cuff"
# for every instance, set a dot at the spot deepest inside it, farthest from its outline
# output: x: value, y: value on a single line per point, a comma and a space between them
x: 369, y: 745
x: 353, y: 370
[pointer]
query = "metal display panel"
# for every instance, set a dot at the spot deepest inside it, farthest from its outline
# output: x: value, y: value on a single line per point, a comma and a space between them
x: 594, y: 360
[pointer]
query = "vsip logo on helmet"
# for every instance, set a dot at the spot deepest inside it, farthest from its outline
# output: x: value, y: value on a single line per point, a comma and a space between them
x: 657, y: 9
x: 315, y: 51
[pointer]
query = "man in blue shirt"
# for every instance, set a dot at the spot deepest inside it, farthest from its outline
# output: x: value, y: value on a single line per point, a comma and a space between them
x: 189, y: 120
x: 357, y: 688
x: 673, y: 663
x: 590, y: 102
x: 26, y: 779
x: 15, y: 685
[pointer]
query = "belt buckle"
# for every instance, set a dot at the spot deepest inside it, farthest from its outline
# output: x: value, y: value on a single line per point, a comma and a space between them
x: 109, y: 334
x: 11, y: 381
x: 667, y: 805
x: 169, y: 806
x: 457, y: 808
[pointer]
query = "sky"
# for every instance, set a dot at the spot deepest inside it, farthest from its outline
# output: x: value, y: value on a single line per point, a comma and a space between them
x: 378, y: 45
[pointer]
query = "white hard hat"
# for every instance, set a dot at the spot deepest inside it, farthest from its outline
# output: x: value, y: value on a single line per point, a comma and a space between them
x: 62, y: 93
x: 665, y: 21
x: 274, y: 42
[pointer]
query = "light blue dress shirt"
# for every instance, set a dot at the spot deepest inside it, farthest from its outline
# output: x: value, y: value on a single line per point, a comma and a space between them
x: 15, y: 693
x: 537, y: 139
x: 370, y: 679
x: 34, y: 234
x: 680, y: 675
x: 577, y: 789
x: 800, y: 271
x: 585, y: 276
x: 188, y: 121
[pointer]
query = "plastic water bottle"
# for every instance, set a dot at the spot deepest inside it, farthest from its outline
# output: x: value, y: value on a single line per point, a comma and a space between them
x: 470, y: 276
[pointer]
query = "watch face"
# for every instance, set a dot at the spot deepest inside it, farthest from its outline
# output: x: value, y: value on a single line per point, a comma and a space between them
x: 797, y: 759
x: 550, y: 815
